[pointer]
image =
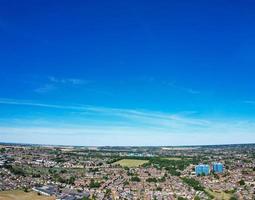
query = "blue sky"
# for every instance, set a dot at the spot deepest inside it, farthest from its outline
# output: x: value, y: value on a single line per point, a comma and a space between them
x: 127, y: 73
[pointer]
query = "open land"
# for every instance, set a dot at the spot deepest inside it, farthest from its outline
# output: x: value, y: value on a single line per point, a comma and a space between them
x: 131, y: 162
x: 20, y: 195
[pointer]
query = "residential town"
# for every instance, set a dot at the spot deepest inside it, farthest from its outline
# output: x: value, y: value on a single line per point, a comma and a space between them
x: 70, y: 173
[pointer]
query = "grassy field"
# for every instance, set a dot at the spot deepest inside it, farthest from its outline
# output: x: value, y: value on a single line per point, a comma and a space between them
x: 20, y: 195
x: 131, y: 162
x: 220, y: 195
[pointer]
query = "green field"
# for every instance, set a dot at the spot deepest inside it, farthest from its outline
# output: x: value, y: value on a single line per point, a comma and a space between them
x: 20, y: 195
x: 219, y: 195
x: 131, y: 162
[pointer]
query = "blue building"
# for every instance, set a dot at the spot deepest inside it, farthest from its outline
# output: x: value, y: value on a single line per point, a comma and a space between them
x: 218, y: 167
x: 202, y: 169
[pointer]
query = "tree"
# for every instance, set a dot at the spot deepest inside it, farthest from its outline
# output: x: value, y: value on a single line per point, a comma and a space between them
x: 94, y: 184
x: 181, y: 198
x: 150, y: 180
x: 163, y: 179
x: 17, y: 170
x: 126, y: 183
x: 2, y: 150
x: 241, y: 182
x: 193, y: 183
x: 135, y: 179
x: 196, y: 198
x: 108, y: 192
x: 71, y: 180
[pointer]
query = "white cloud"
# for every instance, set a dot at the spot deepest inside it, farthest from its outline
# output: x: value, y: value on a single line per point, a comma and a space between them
x: 30, y: 103
x: 73, y: 81
x: 54, y: 83
x: 129, y: 126
x: 184, y: 89
x: 151, y: 118
x: 46, y: 88
x: 100, y: 136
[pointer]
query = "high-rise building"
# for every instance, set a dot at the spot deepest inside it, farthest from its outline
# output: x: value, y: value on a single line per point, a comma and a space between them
x: 202, y: 169
x: 218, y: 167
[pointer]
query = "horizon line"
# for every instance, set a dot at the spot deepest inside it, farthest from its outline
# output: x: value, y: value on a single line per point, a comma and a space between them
x: 60, y: 145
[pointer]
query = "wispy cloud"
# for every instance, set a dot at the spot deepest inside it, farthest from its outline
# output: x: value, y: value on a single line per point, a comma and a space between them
x: 72, y: 81
x: 152, y: 118
x: 147, y: 126
x: 45, y: 88
x: 171, y: 84
x: 53, y: 83
x: 121, y: 135
x: 30, y: 103
x: 184, y: 89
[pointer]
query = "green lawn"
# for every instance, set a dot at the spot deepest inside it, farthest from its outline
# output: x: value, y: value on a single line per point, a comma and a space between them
x: 219, y: 195
x: 131, y: 162
x: 20, y: 195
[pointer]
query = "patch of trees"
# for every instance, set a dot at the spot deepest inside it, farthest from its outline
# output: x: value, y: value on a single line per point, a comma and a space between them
x: 162, y: 179
x: 95, y: 169
x: 181, y: 198
x: 71, y: 180
x: 193, y: 183
x: 2, y: 150
x: 155, y: 180
x: 172, y: 166
x: 94, y: 184
x: 130, y: 173
x: 113, y: 160
x: 230, y: 191
x: 108, y: 193
x: 135, y: 179
x: 241, y: 182
x: 59, y: 159
x: 36, y: 175
x: 63, y: 171
x: 151, y: 180
x: 60, y: 179
x: 16, y: 170
x: 52, y: 171
x: 209, y: 194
